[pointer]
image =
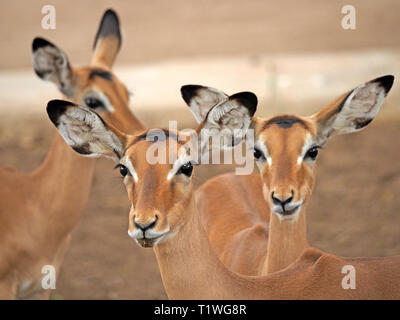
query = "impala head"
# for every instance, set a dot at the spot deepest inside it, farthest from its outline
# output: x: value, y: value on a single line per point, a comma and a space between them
x: 159, y: 191
x: 94, y: 86
x: 286, y: 147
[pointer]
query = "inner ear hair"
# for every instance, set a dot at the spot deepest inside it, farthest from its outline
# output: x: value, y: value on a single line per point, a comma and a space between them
x: 354, y: 110
x: 201, y: 99
x: 51, y: 64
x: 85, y: 131
x: 232, y: 118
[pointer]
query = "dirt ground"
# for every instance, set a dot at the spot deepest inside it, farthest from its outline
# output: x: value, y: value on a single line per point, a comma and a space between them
x: 354, y: 208
x: 160, y: 30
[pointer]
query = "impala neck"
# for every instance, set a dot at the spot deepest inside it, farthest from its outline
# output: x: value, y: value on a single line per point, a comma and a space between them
x: 187, y: 259
x: 287, y: 240
x: 62, y: 182
x: 129, y: 123
x: 190, y: 269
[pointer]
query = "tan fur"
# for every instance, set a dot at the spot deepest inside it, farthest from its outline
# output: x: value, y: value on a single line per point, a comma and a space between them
x: 105, y: 52
x: 39, y: 210
x: 164, y: 215
x: 277, y: 243
x: 248, y: 237
x: 190, y: 269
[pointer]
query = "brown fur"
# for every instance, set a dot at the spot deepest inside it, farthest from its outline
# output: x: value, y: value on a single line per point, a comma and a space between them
x: 39, y: 210
x: 190, y: 268
x: 272, y: 244
x: 164, y: 214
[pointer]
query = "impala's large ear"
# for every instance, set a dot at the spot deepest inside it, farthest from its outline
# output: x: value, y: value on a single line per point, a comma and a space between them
x: 85, y: 131
x: 108, y: 40
x: 229, y: 119
x: 354, y: 110
x: 201, y: 99
x: 51, y: 64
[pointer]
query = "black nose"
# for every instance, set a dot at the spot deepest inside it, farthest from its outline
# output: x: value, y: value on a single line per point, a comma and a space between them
x: 281, y: 202
x: 144, y: 227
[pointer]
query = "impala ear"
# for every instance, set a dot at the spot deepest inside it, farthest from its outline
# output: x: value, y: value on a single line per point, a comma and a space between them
x: 108, y: 40
x: 229, y: 119
x: 85, y: 131
x: 354, y: 110
x: 51, y: 64
x: 201, y: 99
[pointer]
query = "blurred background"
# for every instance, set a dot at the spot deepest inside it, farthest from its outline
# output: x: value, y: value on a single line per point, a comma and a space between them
x: 294, y: 55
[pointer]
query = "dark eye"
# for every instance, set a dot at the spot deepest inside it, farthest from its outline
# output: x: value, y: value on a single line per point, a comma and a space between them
x: 186, y: 169
x: 312, y: 153
x: 93, y: 103
x: 257, y: 154
x: 122, y: 170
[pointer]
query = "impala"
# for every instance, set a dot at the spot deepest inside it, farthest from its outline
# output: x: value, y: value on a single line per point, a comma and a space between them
x: 257, y: 223
x: 38, y: 210
x: 164, y: 213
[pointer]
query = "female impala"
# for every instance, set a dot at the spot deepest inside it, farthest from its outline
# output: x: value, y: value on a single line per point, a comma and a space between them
x: 39, y: 210
x: 164, y: 214
x: 285, y: 149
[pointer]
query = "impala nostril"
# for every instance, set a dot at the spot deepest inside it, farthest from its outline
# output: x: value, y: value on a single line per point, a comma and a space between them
x: 281, y: 202
x: 138, y: 225
x: 288, y: 200
x: 274, y: 199
x: 144, y: 227
x: 152, y: 224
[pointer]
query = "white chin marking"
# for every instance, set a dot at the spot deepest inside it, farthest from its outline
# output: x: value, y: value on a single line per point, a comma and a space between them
x: 289, y: 216
x: 134, y: 234
x: 150, y: 236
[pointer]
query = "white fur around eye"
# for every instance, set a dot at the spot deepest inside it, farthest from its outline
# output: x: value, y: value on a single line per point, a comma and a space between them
x: 102, y: 97
x: 263, y: 148
x: 127, y: 163
x: 183, y: 158
x: 308, y: 143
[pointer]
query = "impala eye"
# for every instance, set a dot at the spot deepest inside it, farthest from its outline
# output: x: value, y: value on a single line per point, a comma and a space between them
x: 312, y: 153
x: 93, y: 103
x: 257, y: 154
x: 186, y: 169
x: 122, y: 169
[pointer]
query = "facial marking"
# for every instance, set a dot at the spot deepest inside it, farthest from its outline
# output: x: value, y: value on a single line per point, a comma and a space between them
x: 293, y: 216
x: 103, y: 98
x: 127, y: 163
x: 285, y: 122
x: 309, y: 142
x: 182, y: 159
x: 100, y: 73
x: 261, y: 146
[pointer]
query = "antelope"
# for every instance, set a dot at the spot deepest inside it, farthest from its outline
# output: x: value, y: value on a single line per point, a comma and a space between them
x: 39, y: 210
x: 164, y: 212
x: 267, y: 212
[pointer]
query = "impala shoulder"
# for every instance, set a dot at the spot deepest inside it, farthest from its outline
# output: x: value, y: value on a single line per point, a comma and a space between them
x: 311, y: 256
x: 321, y: 262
